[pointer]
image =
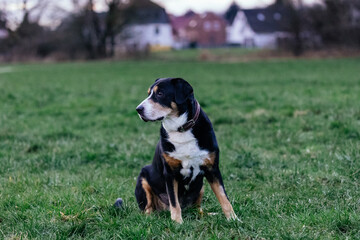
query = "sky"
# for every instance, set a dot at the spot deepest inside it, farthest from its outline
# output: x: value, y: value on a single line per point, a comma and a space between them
x: 179, y: 7
x: 176, y: 7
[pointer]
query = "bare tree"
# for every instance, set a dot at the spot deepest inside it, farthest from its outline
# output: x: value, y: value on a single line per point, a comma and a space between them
x: 296, y: 22
x: 119, y: 14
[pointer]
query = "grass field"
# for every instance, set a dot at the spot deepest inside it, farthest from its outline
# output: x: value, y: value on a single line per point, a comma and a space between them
x: 289, y: 135
x: 214, y: 54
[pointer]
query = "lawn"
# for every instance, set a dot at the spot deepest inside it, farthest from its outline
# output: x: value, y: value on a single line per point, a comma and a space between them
x: 71, y: 143
x: 214, y: 54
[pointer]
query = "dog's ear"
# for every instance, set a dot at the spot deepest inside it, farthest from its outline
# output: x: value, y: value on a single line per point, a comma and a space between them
x: 183, y: 90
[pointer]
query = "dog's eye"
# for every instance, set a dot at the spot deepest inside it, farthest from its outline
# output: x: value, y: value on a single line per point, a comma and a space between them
x: 159, y: 93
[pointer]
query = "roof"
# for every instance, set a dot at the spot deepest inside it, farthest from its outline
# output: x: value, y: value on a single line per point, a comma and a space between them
x: 179, y: 22
x: 268, y: 20
x: 146, y: 11
x: 230, y: 14
x: 274, y: 18
x: 182, y: 22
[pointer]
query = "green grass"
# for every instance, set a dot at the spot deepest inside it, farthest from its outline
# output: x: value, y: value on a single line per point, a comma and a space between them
x: 214, y: 54
x: 289, y: 135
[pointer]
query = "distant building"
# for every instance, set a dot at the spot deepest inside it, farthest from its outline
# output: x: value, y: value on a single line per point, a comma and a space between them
x: 150, y: 28
x: 199, y: 30
x: 179, y: 25
x: 261, y: 27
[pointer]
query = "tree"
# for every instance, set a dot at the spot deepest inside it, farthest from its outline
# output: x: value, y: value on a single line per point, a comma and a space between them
x: 296, y: 18
x: 97, y: 31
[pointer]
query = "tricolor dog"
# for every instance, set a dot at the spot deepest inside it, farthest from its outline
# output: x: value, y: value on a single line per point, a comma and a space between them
x: 186, y: 153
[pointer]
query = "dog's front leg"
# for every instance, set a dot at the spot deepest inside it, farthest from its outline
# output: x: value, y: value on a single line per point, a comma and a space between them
x: 172, y: 191
x: 215, y: 180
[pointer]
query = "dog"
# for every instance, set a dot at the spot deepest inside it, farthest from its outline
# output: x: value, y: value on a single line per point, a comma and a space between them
x: 186, y: 153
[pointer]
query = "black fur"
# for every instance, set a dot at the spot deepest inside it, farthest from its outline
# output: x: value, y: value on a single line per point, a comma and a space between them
x: 159, y: 174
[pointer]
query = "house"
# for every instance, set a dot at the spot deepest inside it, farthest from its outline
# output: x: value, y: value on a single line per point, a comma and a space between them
x: 179, y: 25
x: 199, y: 30
x: 261, y: 27
x: 149, y: 28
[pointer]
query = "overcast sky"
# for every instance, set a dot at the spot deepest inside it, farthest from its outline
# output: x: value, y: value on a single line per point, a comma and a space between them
x: 179, y: 7
x: 172, y: 6
x: 176, y: 7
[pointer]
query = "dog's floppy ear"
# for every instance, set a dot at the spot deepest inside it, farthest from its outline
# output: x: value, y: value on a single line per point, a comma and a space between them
x: 183, y: 90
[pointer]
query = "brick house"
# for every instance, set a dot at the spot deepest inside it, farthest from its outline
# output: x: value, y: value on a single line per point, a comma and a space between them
x: 199, y: 30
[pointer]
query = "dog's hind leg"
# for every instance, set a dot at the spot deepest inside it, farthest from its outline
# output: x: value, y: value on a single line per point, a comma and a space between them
x: 144, y: 193
x: 149, y: 208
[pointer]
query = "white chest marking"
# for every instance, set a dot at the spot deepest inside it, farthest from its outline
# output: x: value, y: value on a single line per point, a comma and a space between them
x: 186, y: 147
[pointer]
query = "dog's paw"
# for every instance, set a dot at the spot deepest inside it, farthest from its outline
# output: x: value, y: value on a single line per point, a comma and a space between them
x: 180, y: 221
x: 177, y: 219
x: 201, y: 212
x: 149, y: 210
x: 232, y: 217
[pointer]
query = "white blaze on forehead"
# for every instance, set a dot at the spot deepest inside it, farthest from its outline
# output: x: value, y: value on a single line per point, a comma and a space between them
x: 146, y: 99
x: 153, y: 110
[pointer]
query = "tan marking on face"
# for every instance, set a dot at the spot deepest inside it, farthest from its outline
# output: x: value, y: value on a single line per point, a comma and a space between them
x: 176, y: 210
x: 149, y: 196
x: 149, y: 91
x: 155, y: 88
x: 210, y: 160
x: 158, y: 107
x: 174, y: 106
x: 224, y: 201
x: 172, y: 162
x: 175, y: 111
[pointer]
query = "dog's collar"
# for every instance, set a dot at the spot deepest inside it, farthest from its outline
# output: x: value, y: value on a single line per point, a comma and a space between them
x: 189, y: 124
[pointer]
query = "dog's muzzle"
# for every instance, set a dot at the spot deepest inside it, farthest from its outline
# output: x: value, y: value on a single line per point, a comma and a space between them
x: 140, y: 110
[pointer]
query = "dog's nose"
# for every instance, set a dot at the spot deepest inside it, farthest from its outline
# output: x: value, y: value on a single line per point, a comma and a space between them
x: 140, y: 109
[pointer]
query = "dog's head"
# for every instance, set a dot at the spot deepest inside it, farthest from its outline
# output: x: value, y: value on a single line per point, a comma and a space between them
x: 167, y: 96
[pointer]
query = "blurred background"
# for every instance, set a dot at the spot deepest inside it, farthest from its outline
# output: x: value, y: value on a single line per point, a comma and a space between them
x: 73, y: 71
x: 49, y: 30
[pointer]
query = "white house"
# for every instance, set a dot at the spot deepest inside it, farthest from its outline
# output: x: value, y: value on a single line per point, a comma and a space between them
x: 240, y: 32
x: 150, y: 28
x: 261, y: 28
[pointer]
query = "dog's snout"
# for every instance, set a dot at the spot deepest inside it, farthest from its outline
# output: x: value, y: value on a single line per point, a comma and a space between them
x: 140, y: 109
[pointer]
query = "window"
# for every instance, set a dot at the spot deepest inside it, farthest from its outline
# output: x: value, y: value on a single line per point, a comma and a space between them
x: 216, y: 25
x: 207, y: 26
x: 192, y: 23
x: 157, y: 30
x: 277, y: 16
x: 261, y: 17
